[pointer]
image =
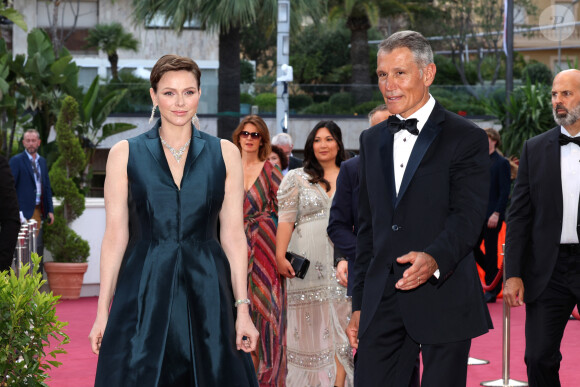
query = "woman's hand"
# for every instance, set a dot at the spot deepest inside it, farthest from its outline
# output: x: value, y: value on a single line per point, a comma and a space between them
x: 285, y: 268
x: 246, y: 333
x: 96, y: 334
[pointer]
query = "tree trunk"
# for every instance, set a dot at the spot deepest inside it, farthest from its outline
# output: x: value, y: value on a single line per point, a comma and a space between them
x: 362, y: 90
x: 229, y: 83
x: 114, y: 60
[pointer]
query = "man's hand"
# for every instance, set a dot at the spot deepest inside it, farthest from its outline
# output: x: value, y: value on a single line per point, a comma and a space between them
x: 493, y: 220
x: 50, y: 218
x: 422, y: 268
x: 342, y: 272
x: 513, y: 291
x: 352, y: 329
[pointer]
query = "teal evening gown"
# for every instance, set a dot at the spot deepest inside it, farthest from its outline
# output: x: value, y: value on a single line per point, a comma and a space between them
x: 172, y: 320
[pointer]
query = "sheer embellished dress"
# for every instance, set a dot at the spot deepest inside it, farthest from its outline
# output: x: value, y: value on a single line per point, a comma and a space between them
x: 265, y: 286
x: 318, y: 308
x: 172, y: 320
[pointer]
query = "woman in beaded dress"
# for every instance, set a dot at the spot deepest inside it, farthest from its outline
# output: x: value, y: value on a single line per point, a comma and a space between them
x: 265, y: 290
x: 318, y: 310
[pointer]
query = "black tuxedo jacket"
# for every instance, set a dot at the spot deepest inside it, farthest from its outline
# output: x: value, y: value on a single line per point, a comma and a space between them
x: 439, y: 210
x: 534, y: 222
x: 343, y: 220
x: 500, y: 184
x: 294, y: 162
x: 26, y: 186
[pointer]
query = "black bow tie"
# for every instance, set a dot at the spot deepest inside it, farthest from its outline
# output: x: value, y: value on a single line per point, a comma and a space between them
x: 395, y: 124
x: 565, y: 140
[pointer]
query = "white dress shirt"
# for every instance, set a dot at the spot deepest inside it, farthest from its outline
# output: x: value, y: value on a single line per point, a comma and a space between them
x: 570, y: 169
x: 404, y: 141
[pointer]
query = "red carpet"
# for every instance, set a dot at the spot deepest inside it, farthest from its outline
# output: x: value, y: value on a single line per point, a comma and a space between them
x: 79, y: 364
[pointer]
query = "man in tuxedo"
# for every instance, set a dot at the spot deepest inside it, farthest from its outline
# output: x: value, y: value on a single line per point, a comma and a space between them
x: 424, y: 182
x: 542, y: 246
x: 284, y: 141
x: 499, y: 191
x: 32, y: 184
x: 9, y: 219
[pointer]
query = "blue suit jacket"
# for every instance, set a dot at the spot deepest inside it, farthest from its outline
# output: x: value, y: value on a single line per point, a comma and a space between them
x: 26, y: 186
x: 343, y: 222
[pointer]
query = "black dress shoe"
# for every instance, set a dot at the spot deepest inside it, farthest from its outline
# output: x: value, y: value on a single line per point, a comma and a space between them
x: 489, y: 297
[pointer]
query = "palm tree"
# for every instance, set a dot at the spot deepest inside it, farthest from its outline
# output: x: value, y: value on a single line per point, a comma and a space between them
x: 227, y: 17
x: 110, y: 38
x: 360, y: 16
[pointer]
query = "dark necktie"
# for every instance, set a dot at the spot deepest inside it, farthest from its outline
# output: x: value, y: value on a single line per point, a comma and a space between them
x: 565, y: 140
x: 395, y: 124
x: 35, y: 169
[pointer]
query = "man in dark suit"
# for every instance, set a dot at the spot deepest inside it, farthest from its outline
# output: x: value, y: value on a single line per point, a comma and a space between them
x: 423, y: 194
x: 32, y: 184
x: 499, y: 191
x: 542, y: 240
x: 9, y: 219
x: 284, y: 141
x: 343, y: 220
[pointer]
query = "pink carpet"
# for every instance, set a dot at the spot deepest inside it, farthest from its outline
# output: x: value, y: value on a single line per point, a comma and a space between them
x: 79, y: 364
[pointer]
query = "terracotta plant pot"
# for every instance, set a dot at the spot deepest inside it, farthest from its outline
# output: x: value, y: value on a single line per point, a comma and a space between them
x: 65, y: 279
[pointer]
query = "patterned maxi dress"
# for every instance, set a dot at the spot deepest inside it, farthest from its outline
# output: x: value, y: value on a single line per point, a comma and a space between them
x: 265, y: 287
x: 318, y: 308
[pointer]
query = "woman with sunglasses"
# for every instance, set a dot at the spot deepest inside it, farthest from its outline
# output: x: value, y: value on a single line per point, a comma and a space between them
x: 261, y: 181
x: 318, y: 310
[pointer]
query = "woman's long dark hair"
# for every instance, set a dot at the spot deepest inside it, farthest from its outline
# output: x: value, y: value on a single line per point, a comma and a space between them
x: 311, y: 164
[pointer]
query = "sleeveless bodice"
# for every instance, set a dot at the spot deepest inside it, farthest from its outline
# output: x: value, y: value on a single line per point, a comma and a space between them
x: 172, y: 318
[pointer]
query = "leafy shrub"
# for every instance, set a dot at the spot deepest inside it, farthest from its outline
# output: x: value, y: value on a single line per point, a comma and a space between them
x: 246, y: 98
x: 138, y: 99
x: 300, y: 101
x: 365, y: 107
x: 319, y: 108
x: 61, y: 240
x: 247, y: 72
x: 530, y: 113
x: 266, y: 102
x: 537, y: 73
x: 27, y: 321
x: 342, y: 102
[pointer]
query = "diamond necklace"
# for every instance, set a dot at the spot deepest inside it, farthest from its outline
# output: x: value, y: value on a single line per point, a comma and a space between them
x: 176, y: 153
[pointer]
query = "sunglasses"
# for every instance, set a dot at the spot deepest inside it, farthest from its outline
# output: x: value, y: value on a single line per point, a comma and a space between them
x: 254, y: 135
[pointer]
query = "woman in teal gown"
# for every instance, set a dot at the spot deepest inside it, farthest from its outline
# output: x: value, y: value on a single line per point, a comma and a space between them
x: 180, y: 313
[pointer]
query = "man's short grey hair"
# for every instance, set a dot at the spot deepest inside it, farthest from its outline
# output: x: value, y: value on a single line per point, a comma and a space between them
x: 34, y: 131
x: 379, y: 108
x: 282, y: 139
x: 412, y: 40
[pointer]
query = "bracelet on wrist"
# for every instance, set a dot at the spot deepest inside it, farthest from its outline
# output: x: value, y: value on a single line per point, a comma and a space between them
x: 240, y: 302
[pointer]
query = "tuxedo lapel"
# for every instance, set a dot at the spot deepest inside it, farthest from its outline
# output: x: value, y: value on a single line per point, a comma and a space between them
x: 553, y: 171
x: 426, y: 137
x: 386, y: 157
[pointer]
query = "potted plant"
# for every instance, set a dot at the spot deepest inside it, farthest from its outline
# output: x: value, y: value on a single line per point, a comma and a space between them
x: 69, y: 250
x: 27, y: 322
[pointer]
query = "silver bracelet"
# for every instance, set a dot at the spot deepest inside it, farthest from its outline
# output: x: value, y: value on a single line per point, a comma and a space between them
x: 240, y: 302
